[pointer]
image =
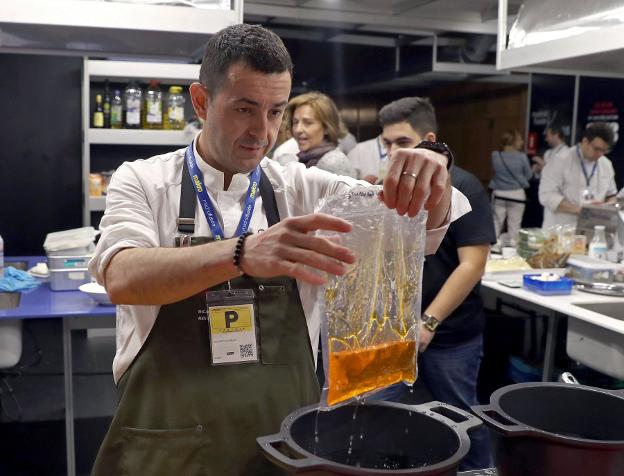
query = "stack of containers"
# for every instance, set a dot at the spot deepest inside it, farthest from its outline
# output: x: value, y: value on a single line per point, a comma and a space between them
x: 68, y: 254
x: 530, y: 241
x: 594, y: 270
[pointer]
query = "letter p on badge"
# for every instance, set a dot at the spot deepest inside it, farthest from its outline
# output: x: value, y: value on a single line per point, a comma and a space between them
x: 233, y: 334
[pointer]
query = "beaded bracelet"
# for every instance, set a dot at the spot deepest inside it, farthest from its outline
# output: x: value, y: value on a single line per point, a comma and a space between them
x: 238, y: 251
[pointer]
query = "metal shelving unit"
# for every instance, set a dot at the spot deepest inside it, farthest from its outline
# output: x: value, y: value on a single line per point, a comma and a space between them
x: 113, y: 28
x: 138, y: 137
x: 124, y: 71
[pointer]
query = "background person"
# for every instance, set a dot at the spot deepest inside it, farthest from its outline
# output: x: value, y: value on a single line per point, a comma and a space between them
x: 555, y: 138
x: 511, y: 177
x: 316, y: 126
x: 580, y: 175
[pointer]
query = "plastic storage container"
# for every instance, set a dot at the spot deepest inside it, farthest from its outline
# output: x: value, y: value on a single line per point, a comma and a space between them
x: 535, y: 283
x: 68, y: 262
x: 76, y: 242
x: 594, y: 270
x: 68, y: 279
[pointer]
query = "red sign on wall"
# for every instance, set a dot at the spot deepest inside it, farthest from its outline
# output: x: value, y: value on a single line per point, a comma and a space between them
x: 532, y: 143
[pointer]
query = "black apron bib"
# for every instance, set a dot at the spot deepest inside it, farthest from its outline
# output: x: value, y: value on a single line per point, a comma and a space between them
x: 178, y: 415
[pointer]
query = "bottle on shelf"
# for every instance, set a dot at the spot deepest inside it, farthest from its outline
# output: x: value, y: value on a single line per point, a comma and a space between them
x: 132, y: 105
x: 152, y: 107
x: 116, y: 111
x: 174, y: 109
x: 598, y: 247
x: 98, y: 114
x: 107, y: 107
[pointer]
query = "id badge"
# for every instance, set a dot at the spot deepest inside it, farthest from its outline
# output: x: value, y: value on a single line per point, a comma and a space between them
x: 232, y: 319
x: 587, y: 195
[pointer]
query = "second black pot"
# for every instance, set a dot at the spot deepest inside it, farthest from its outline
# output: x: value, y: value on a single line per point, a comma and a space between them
x: 556, y: 429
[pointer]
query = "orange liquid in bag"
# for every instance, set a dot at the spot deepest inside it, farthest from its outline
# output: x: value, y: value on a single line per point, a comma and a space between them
x: 353, y: 372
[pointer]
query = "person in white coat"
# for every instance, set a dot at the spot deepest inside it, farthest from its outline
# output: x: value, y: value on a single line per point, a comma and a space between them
x: 581, y: 175
x: 555, y: 138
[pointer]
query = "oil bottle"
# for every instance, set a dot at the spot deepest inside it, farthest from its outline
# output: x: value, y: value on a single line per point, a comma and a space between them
x: 152, y: 108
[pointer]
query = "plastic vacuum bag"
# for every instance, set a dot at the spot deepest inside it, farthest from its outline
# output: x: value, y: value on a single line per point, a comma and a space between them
x: 371, y: 315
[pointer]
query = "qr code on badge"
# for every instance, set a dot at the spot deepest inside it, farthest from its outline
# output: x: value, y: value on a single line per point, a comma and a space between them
x: 246, y: 350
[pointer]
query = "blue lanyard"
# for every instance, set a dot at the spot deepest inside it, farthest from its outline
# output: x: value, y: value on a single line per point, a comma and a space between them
x: 382, y: 155
x: 202, y: 194
x: 587, y: 179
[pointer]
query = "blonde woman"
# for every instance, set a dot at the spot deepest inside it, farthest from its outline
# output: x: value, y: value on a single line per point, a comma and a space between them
x: 315, y: 124
x: 512, y: 173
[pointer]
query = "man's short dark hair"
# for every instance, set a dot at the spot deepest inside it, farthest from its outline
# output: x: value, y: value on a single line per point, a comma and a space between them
x: 556, y: 128
x: 417, y: 111
x: 602, y: 130
x: 259, y: 48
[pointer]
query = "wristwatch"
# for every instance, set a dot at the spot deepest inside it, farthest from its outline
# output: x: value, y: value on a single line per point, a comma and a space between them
x: 440, y: 148
x: 429, y: 322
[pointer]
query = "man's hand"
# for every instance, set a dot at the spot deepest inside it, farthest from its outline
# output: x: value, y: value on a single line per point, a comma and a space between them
x: 426, y: 336
x: 538, y: 163
x: 568, y: 207
x: 416, y: 177
x: 289, y: 249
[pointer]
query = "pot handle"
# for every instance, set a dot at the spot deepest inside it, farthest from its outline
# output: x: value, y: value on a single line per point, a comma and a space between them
x: 269, y: 444
x: 617, y: 393
x: 463, y: 420
x: 493, y: 418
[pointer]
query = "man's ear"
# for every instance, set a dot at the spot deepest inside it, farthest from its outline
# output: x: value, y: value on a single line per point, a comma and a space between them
x: 200, y: 99
x: 430, y: 136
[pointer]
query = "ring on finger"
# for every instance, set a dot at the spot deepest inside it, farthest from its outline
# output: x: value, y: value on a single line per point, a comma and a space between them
x: 409, y: 174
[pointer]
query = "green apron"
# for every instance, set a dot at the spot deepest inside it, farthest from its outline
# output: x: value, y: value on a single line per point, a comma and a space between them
x: 178, y: 415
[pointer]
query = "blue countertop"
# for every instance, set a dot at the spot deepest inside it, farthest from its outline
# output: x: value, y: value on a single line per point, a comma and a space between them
x: 42, y: 302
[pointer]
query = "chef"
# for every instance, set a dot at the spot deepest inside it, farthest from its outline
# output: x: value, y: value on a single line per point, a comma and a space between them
x: 203, y: 250
x: 579, y: 176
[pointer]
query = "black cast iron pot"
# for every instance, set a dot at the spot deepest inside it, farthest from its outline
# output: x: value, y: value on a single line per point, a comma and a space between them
x: 376, y: 438
x: 556, y: 429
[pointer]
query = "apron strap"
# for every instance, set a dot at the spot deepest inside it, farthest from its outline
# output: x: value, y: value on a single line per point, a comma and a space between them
x: 268, y: 199
x: 188, y: 202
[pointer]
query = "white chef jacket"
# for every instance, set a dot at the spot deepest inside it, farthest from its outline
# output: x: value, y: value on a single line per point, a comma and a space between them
x: 564, y: 178
x: 142, y: 206
x: 555, y: 151
x: 367, y: 157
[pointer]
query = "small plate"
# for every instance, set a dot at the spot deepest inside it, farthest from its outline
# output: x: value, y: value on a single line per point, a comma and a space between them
x: 96, y: 292
x: 605, y: 289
